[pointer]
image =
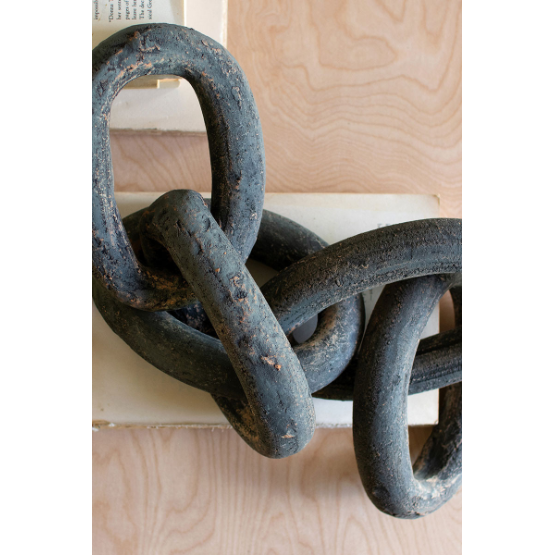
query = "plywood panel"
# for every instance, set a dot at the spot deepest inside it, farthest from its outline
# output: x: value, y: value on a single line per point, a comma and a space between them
x: 160, y: 162
x: 353, y: 95
x: 186, y: 491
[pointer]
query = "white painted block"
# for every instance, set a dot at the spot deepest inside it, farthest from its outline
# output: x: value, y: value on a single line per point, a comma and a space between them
x: 128, y: 391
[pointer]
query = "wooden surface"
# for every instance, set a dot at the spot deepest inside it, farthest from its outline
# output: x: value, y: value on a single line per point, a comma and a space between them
x: 354, y: 96
x: 206, y: 492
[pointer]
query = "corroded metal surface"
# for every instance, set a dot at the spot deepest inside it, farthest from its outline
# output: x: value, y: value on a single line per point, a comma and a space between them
x: 171, y: 281
x: 234, y: 136
x: 380, y: 406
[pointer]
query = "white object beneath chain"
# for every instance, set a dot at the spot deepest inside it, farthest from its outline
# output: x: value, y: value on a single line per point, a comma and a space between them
x: 128, y: 391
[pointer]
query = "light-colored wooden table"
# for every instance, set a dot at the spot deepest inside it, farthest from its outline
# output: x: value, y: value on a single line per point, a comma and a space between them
x: 354, y: 96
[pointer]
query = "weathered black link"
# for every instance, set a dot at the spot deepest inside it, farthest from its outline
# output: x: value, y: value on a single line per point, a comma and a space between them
x: 281, y: 242
x: 236, y: 152
x: 277, y: 418
x: 200, y: 360
x: 191, y: 313
x: 438, y: 363
x: 183, y: 353
x: 365, y: 261
x: 169, y: 344
x: 380, y: 406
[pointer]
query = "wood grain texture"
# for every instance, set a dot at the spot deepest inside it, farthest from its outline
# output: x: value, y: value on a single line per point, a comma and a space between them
x: 187, y: 491
x: 354, y: 96
x: 160, y: 162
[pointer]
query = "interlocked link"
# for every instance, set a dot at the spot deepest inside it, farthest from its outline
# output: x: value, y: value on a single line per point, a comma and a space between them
x: 171, y: 281
x: 380, y: 406
x: 277, y: 417
x: 234, y: 137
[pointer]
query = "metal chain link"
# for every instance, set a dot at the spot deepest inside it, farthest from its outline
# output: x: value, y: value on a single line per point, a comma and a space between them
x: 171, y: 281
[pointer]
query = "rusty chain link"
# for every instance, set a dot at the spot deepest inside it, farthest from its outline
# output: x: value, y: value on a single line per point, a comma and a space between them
x: 171, y: 281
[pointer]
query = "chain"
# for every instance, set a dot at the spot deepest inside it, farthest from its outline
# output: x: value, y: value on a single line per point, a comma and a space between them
x: 171, y: 281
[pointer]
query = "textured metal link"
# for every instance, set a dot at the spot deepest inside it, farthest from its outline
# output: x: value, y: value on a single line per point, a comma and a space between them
x: 380, y: 406
x: 234, y: 137
x: 171, y: 281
